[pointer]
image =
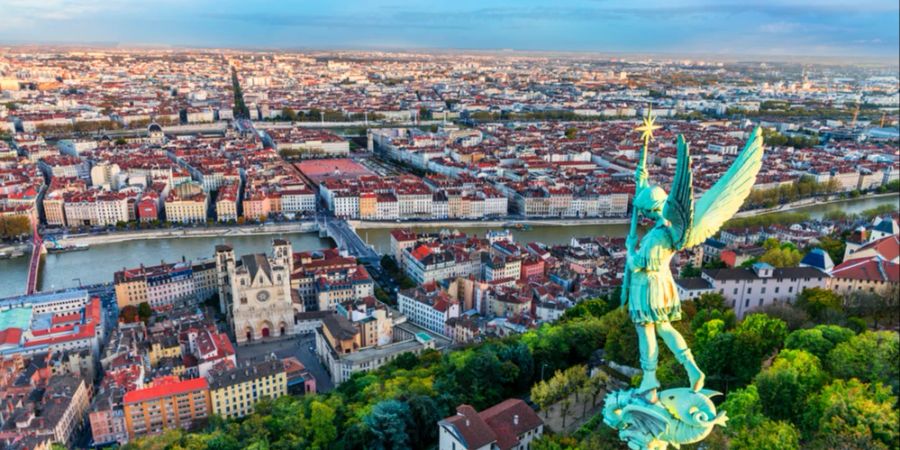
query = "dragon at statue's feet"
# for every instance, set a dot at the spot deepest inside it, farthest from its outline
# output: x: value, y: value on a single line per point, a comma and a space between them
x: 681, y: 416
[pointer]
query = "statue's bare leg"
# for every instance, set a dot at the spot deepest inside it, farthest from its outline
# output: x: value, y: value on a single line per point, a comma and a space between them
x: 649, y: 357
x: 682, y: 353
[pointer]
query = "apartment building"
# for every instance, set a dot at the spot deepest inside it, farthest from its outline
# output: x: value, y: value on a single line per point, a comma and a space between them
x: 168, y: 403
x: 187, y: 203
x: 166, y: 284
x: 341, y: 349
x: 235, y: 392
x: 749, y: 288
x: 428, y: 306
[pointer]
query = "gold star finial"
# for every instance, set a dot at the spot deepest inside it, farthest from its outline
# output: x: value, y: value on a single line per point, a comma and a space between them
x: 648, y: 127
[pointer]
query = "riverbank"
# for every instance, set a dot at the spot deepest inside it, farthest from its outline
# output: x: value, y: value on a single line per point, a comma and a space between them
x: 8, y: 251
x: 365, y: 224
x: 310, y: 226
x: 800, y: 204
x: 184, y: 233
x: 806, y: 203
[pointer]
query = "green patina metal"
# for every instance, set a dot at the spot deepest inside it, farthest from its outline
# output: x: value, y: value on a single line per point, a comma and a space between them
x: 645, y: 418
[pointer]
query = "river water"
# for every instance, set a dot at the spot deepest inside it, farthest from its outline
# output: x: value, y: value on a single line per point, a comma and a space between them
x: 98, y: 264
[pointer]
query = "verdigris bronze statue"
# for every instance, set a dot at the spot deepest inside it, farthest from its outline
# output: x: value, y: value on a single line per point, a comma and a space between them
x: 644, y: 417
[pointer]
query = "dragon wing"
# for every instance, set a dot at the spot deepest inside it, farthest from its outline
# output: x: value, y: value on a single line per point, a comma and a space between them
x: 679, y: 208
x: 723, y: 200
x: 645, y: 419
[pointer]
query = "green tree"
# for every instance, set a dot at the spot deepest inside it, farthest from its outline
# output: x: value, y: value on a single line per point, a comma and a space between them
x: 707, y: 332
x: 852, y: 415
x: 871, y: 356
x: 735, y: 357
x: 784, y: 387
x: 769, y: 435
x: 543, y: 395
x: 689, y: 271
x: 595, y: 307
x: 12, y: 227
x: 621, y: 342
x: 571, y: 132
x: 388, y: 425
x: 144, y: 311
x: 818, y: 341
x: 749, y: 428
x: 593, y: 387
x: 322, y: 426
x: 288, y: 114
x: 555, y: 442
x: 424, y: 413
x: 711, y: 301
x: 781, y: 257
x: 760, y: 334
x: 834, y: 247
x: 744, y: 409
x: 720, y: 359
x: 817, y: 302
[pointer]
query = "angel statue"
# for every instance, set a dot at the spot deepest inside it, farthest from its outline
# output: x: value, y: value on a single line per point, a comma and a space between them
x: 679, y: 223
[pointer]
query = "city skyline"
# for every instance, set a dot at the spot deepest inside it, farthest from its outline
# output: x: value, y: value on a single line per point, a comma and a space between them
x: 833, y: 28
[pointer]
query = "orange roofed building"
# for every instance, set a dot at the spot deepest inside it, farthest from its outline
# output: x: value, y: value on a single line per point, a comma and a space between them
x: 169, y: 403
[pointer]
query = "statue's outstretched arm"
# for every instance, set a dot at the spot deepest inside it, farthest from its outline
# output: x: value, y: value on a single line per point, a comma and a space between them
x: 641, y: 176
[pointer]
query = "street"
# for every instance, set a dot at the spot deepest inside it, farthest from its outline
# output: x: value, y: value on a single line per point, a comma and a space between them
x: 296, y: 346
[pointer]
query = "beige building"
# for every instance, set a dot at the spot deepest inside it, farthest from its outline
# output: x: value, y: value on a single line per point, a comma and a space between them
x: 66, y: 400
x: 187, y: 203
x: 255, y: 292
x: 235, y: 392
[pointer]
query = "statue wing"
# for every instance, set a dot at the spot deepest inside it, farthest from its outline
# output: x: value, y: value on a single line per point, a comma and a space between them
x: 646, y: 419
x: 679, y: 208
x: 723, y: 200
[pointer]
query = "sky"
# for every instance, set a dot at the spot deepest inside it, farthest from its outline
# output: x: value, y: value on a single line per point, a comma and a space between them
x: 810, y: 28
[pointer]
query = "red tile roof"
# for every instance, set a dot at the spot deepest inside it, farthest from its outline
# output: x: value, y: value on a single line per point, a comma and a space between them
x: 473, y: 430
x: 10, y: 336
x: 871, y: 269
x: 502, y: 424
x: 509, y: 419
x: 166, y: 387
x: 888, y: 247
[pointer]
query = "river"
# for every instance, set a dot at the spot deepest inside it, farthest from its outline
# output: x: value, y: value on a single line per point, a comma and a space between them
x: 98, y: 264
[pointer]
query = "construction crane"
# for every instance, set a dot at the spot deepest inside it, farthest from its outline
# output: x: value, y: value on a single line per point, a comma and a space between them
x: 883, y: 115
x: 855, y: 115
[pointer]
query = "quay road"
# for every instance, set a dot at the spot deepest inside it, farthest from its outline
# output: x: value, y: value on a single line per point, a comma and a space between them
x: 34, y: 266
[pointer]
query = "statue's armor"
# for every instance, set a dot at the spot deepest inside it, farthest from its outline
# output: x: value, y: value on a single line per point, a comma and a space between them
x: 654, y: 297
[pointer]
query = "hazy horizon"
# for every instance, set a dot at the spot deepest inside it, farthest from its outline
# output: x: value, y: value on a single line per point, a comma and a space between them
x: 867, y: 30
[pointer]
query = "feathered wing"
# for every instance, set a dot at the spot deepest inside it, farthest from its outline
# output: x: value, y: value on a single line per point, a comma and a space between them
x: 646, y: 419
x: 679, y: 209
x: 723, y: 200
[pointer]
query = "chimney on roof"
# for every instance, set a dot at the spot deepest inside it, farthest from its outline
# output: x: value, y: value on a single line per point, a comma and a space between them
x: 515, y: 419
x: 467, y: 422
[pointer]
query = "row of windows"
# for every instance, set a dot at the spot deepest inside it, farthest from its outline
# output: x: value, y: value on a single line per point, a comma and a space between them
x: 762, y: 290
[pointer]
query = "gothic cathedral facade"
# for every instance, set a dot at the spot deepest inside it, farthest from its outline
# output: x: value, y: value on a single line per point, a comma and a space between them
x: 255, y: 292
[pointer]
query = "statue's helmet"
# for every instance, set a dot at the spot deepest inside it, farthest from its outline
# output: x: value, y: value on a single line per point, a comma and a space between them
x: 651, y: 198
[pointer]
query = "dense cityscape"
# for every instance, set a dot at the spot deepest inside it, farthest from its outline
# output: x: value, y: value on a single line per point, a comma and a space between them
x: 347, y: 249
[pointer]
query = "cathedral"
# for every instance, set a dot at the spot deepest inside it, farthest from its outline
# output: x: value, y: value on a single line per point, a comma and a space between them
x: 255, y: 292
